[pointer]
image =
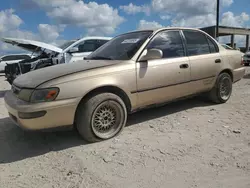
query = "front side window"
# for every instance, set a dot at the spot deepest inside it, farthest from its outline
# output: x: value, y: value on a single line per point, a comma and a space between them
x: 67, y: 44
x: 169, y: 42
x: 86, y: 46
x: 122, y: 47
x: 197, y: 43
x: 100, y: 43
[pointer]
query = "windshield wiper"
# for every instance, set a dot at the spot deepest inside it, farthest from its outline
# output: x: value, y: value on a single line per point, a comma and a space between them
x: 100, y: 57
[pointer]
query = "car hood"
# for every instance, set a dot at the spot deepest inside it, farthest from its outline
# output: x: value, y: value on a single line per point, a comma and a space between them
x: 31, y: 45
x: 37, y: 77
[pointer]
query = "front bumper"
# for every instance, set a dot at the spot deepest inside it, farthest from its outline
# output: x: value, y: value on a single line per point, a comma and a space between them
x: 58, y: 113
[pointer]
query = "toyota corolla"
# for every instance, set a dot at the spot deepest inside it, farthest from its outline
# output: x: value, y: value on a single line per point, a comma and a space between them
x: 133, y: 71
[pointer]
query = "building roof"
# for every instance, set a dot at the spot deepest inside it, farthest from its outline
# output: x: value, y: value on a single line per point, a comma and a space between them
x: 225, y: 30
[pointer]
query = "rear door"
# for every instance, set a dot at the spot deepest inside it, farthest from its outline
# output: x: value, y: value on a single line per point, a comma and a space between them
x: 161, y: 80
x: 204, y: 58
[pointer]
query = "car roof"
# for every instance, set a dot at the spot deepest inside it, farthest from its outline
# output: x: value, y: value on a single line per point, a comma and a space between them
x: 95, y: 37
x: 166, y: 28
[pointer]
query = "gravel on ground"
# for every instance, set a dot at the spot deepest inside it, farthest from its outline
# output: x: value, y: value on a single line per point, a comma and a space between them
x: 190, y: 143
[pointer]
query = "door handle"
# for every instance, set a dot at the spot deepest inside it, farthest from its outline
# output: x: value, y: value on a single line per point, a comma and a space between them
x: 184, y: 66
x: 217, y: 61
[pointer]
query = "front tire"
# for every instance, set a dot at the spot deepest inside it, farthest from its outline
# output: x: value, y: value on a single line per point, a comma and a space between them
x: 222, y: 89
x: 101, y: 117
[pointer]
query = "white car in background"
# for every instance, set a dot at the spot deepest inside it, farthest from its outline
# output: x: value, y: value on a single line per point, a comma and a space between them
x: 12, y: 58
x: 75, y: 50
x: 247, y: 58
x: 48, y: 55
x: 229, y: 47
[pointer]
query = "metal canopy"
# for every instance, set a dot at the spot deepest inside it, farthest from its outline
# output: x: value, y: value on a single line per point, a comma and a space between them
x: 229, y: 31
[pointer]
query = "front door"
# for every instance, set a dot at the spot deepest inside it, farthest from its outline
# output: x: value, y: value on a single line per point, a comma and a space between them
x: 162, y: 80
x: 79, y: 56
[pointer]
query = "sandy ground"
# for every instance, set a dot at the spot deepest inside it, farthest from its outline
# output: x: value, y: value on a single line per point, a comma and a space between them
x: 185, y: 144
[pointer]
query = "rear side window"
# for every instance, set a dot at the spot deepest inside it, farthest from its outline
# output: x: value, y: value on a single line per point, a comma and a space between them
x: 197, y: 43
x: 213, y: 47
x: 169, y: 42
x: 101, y: 42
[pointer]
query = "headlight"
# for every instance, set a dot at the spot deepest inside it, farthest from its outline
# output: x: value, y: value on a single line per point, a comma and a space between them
x: 25, y: 94
x: 44, y: 95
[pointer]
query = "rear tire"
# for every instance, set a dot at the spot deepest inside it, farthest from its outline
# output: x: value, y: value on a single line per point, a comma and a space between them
x: 222, y: 89
x: 101, y: 117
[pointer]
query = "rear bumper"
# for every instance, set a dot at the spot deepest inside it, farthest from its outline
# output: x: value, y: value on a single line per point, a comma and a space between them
x: 41, y: 115
x: 238, y: 74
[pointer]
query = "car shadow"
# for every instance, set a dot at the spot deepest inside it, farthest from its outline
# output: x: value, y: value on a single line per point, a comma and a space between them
x: 16, y: 144
x: 2, y: 93
x: 168, y: 109
x: 247, y: 76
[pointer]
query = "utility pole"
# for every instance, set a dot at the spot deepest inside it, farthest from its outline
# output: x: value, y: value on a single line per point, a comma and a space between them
x: 217, y: 18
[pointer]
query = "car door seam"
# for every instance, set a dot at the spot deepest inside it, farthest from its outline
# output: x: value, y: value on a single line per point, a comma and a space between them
x: 160, y: 87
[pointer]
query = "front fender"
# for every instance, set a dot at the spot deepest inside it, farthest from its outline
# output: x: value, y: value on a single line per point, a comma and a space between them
x: 80, y: 84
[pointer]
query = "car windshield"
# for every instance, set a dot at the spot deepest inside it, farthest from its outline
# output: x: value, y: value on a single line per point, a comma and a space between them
x: 67, y: 44
x: 122, y: 47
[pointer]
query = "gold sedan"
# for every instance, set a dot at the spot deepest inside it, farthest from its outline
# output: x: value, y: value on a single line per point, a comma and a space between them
x: 133, y: 71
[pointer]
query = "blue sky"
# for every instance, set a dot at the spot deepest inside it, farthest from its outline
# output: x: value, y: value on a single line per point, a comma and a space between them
x: 55, y: 21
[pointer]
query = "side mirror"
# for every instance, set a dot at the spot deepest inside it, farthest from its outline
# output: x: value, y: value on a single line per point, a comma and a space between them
x: 0, y: 60
x: 151, y: 54
x: 73, y: 50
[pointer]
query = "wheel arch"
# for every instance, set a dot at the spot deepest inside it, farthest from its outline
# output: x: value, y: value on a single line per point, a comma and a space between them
x: 110, y: 89
x: 229, y: 72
